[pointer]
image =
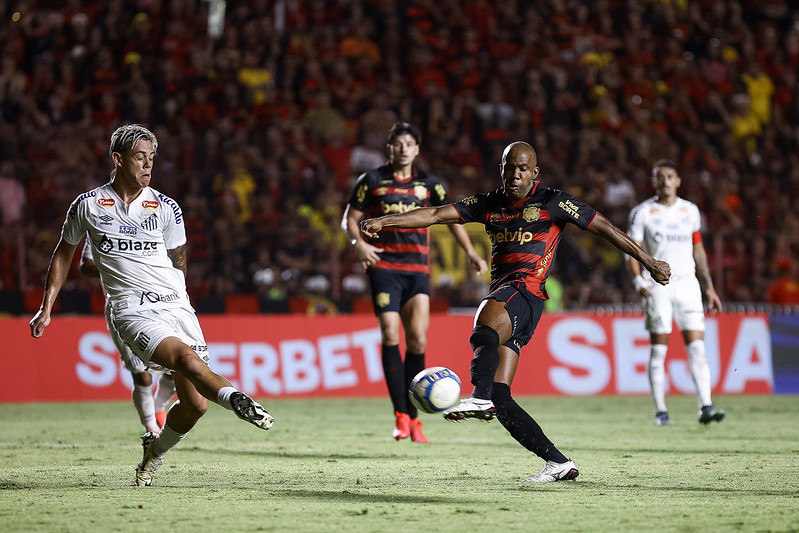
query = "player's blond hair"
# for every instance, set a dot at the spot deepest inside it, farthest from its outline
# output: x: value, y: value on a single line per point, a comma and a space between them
x: 125, y: 138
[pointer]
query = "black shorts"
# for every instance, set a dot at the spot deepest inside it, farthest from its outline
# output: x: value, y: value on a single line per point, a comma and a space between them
x: 391, y: 289
x: 524, y: 310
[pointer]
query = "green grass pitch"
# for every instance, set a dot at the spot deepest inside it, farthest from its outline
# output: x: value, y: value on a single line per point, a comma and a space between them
x: 331, y: 465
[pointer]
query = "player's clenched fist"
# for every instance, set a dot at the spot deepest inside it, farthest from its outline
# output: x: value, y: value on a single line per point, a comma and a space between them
x: 661, y: 272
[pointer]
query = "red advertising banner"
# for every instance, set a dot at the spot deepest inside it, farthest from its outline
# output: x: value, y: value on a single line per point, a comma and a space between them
x: 575, y: 354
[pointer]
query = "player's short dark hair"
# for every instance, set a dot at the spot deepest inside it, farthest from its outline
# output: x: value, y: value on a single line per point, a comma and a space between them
x: 400, y: 128
x: 668, y: 163
x: 125, y: 138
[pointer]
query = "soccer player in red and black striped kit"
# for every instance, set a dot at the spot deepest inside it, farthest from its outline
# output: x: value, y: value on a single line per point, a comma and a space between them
x: 399, y: 269
x: 524, y: 220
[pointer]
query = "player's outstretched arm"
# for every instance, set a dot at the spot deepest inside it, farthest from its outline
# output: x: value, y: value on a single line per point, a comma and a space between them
x: 418, y: 218
x: 56, y: 275
x: 604, y: 228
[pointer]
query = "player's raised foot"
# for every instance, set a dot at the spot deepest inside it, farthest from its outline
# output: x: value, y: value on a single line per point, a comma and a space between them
x: 248, y: 409
x: 471, y: 408
x: 149, y: 463
x: 709, y: 413
x: 555, y: 472
x: 402, y: 426
x: 662, y: 418
x: 416, y: 431
x: 160, y: 418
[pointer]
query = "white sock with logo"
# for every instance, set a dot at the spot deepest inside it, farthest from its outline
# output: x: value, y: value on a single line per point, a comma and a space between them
x: 223, y: 397
x: 657, y: 375
x: 166, y: 440
x: 700, y: 371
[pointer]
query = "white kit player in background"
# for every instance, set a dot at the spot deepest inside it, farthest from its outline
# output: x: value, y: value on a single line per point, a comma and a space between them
x: 668, y: 227
x: 150, y: 406
x: 138, y: 242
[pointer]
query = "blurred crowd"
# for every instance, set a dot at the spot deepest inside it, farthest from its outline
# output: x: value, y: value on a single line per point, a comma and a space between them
x: 265, y: 120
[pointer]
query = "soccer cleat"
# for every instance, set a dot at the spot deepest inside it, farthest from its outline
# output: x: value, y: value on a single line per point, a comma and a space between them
x: 709, y: 413
x: 248, y: 409
x: 555, y: 472
x: 471, y: 408
x: 160, y: 418
x: 662, y: 418
x: 149, y: 463
x: 402, y: 426
x: 416, y: 431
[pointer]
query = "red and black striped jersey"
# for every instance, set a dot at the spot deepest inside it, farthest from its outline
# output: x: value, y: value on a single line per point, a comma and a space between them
x: 379, y: 192
x: 525, y: 236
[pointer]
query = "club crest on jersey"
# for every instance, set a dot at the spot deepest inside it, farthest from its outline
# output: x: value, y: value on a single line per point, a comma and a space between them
x: 420, y: 191
x: 531, y: 214
x: 149, y: 204
x: 106, y: 202
x: 150, y: 223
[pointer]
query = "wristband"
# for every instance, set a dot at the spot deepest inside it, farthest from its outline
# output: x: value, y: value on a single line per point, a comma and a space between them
x: 639, y: 282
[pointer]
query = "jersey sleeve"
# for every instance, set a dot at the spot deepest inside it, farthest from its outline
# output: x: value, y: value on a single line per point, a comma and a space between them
x: 438, y: 194
x: 565, y: 208
x: 471, y: 208
x: 174, y: 229
x: 636, y: 224
x: 75, y: 224
x: 359, y: 193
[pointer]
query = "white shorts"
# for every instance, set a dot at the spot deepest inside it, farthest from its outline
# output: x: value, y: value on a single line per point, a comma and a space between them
x: 679, y: 301
x: 131, y: 361
x: 144, y: 331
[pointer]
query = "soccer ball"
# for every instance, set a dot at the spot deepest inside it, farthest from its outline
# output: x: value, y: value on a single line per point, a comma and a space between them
x: 435, y: 389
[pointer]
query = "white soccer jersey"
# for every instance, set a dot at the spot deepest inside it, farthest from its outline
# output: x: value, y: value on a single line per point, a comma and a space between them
x: 129, y: 244
x: 668, y: 233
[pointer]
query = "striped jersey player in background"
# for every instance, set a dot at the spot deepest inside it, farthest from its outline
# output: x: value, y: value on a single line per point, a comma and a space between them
x: 399, y: 268
x: 524, y: 220
x: 668, y: 227
x: 138, y: 244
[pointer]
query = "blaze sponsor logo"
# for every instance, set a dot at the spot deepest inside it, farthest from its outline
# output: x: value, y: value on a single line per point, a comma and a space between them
x: 154, y: 297
x: 570, y: 208
x: 128, y: 230
x: 149, y: 204
x: 399, y: 207
x: 505, y: 235
x: 174, y: 206
x: 127, y: 245
x: 105, y: 245
x: 106, y: 202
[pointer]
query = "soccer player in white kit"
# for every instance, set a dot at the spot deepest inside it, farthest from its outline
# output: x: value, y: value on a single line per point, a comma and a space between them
x: 668, y: 227
x: 149, y: 405
x: 138, y: 242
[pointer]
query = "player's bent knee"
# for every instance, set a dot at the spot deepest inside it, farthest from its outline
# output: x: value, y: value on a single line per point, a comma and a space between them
x: 484, y: 336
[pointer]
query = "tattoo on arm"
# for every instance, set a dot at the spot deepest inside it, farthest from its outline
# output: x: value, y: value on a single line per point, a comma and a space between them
x: 702, y: 268
x: 178, y: 257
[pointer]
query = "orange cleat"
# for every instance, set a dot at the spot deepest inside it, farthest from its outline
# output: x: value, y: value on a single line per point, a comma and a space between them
x: 402, y: 427
x: 416, y: 431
